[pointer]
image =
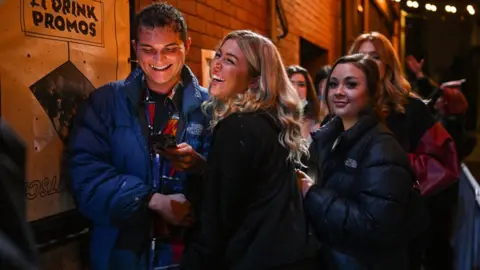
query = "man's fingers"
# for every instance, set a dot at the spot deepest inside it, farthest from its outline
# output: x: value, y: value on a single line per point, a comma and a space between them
x: 178, y: 153
x: 181, y: 151
x: 181, y: 166
x: 183, y: 159
x: 182, y: 162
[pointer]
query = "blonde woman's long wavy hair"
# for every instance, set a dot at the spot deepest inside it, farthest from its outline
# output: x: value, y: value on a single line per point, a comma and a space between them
x: 274, y: 94
x: 395, y: 89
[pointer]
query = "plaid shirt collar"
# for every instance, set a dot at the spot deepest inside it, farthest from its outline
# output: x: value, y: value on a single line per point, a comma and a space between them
x: 174, y: 97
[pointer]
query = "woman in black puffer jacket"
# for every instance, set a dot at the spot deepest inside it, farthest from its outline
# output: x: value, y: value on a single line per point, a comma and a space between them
x: 364, y: 207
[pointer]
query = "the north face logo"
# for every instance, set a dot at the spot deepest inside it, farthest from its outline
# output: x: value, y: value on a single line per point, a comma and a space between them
x: 351, y: 163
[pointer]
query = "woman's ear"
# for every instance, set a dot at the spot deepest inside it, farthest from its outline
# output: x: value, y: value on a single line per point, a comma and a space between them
x: 254, y: 82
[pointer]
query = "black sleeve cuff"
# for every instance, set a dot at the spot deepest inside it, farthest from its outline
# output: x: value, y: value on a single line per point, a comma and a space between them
x: 147, y: 198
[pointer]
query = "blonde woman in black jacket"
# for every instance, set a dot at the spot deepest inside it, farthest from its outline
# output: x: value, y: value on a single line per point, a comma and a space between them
x: 251, y: 213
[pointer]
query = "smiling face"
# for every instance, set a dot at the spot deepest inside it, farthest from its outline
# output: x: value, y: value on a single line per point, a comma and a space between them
x: 229, y: 71
x: 161, y: 55
x: 368, y: 47
x: 347, y: 92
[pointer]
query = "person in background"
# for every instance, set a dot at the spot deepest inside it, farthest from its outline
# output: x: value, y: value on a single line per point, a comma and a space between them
x: 252, y: 212
x: 425, y: 86
x: 363, y: 207
x: 430, y: 148
x: 447, y: 103
x: 302, y: 82
x: 450, y: 106
x: 320, y: 83
x: 18, y: 250
x: 138, y: 149
x: 321, y: 80
x: 409, y: 118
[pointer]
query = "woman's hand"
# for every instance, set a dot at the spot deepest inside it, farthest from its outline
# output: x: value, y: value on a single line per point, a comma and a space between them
x: 304, y: 182
x: 415, y: 66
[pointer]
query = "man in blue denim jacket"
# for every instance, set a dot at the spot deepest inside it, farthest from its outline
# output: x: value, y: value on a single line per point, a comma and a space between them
x: 111, y: 160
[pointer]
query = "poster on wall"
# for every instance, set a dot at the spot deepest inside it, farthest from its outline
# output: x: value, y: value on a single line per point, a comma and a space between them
x: 207, y: 57
x: 54, y: 54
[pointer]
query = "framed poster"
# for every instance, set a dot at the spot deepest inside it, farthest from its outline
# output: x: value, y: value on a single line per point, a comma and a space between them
x: 207, y: 56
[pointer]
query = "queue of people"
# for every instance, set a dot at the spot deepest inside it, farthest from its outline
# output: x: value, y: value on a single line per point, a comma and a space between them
x: 267, y: 168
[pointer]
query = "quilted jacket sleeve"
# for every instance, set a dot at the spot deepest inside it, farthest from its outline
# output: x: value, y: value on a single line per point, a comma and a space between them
x: 103, y: 193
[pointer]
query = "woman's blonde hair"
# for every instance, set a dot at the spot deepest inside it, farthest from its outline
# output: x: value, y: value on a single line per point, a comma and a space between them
x: 274, y: 94
x: 395, y: 89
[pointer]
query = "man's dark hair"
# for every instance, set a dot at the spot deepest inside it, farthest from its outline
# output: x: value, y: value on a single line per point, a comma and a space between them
x: 161, y: 15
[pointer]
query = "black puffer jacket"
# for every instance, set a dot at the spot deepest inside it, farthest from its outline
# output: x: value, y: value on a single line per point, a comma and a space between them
x: 251, y: 215
x: 364, y: 207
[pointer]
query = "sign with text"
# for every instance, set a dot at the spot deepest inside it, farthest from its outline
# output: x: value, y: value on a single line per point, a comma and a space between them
x: 78, y: 21
x: 207, y: 56
x: 54, y: 54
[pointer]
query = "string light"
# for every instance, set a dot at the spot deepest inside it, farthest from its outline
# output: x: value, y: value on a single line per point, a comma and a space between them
x: 412, y: 4
x: 451, y: 9
x: 430, y: 7
x: 433, y: 8
x: 470, y: 10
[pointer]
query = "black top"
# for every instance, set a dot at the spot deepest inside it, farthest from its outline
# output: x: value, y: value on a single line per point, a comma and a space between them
x: 464, y: 142
x: 162, y: 113
x: 425, y: 88
x: 364, y: 208
x: 252, y: 212
x: 410, y: 127
x: 164, y: 107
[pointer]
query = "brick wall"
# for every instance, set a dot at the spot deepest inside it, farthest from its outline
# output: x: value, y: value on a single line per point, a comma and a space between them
x: 209, y: 20
x: 317, y: 21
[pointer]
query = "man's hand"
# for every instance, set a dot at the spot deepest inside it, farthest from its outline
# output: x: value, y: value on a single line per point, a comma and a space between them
x: 304, y: 182
x: 185, y: 158
x: 174, y: 208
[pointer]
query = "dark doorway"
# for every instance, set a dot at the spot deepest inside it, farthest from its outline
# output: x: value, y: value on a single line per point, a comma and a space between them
x: 133, y: 11
x: 415, y: 44
x: 469, y: 68
x: 312, y: 57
